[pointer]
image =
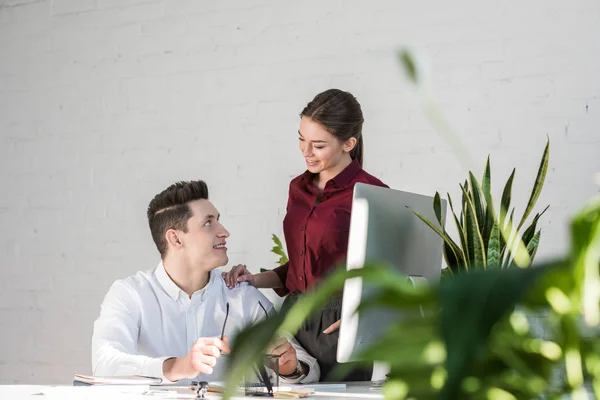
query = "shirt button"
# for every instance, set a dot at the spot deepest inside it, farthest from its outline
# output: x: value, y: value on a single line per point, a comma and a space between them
x: 301, y: 278
x: 302, y: 252
x: 301, y: 228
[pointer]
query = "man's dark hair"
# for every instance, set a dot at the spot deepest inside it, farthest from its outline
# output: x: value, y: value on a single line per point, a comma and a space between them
x: 170, y: 210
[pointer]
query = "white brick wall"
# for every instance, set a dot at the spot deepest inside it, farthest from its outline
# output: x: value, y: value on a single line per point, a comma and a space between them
x: 103, y: 103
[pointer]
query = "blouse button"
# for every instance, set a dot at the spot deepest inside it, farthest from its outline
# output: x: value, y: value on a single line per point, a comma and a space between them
x: 302, y: 252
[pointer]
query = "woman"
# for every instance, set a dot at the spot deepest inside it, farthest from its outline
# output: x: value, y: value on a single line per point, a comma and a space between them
x: 318, y: 217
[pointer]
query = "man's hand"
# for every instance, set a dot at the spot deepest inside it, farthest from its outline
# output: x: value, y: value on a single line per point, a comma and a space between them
x: 333, y: 327
x: 237, y: 274
x: 201, y: 359
x: 288, y: 359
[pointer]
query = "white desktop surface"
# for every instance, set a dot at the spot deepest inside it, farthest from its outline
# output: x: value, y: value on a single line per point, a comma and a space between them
x: 354, y: 390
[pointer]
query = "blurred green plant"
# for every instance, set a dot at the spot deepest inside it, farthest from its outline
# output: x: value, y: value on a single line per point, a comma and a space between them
x: 488, y: 239
x: 473, y: 340
x: 278, y: 250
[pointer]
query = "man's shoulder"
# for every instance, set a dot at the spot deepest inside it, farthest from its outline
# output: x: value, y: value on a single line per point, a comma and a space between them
x: 137, y: 282
x: 238, y: 290
x: 242, y: 289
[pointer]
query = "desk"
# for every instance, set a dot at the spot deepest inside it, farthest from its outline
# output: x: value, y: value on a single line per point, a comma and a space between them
x: 354, y: 390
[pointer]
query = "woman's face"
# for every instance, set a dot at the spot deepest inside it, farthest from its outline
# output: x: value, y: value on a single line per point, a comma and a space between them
x: 321, y: 150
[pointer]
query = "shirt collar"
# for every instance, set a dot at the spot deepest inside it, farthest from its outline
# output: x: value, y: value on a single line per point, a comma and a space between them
x: 166, y: 282
x: 344, y: 177
x: 171, y: 287
x: 341, y: 179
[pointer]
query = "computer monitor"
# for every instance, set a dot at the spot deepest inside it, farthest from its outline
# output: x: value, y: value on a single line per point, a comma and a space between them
x: 382, y: 228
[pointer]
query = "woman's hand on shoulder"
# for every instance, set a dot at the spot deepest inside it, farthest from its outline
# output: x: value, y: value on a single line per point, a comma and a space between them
x: 237, y: 274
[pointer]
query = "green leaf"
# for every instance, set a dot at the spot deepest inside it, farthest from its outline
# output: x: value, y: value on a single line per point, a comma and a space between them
x: 401, y: 298
x: 585, y: 234
x: 493, y: 250
x: 473, y: 305
x: 474, y: 239
x: 437, y: 208
x: 530, y: 231
x: 408, y: 62
x: 516, y: 252
x: 451, y: 257
x: 278, y: 249
x: 490, y: 221
x: 247, y: 349
x: 277, y: 241
x: 373, y: 273
x: 461, y: 234
x: 250, y: 344
x: 506, y: 195
x: 532, y: 246
x: 441, y: 233
x: 486, y: 183
x: 538, y: 184
x: 478, y: 201
x: 465, y: 196
x: 505, y: 233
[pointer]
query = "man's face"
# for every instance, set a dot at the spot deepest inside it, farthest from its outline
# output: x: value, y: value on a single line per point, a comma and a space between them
x: 203, y: 245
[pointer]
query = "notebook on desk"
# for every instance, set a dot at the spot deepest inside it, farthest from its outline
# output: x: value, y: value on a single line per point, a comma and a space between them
x: 88, y: 380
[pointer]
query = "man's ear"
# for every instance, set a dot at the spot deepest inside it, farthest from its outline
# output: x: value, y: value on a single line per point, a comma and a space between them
x: 349, y: 144
x: 173, y: 238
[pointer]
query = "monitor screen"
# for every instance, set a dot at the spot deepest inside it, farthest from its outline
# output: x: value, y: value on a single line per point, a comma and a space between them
x: 382, y: 228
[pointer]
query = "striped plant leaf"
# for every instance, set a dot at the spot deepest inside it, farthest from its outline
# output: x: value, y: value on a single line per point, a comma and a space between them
x: 516, y: 252
x: 486, y: 182
x: 505, y: 235
x: 474, y: 239
x: 461, y: 233
x: 538, y: 184
x: 506, y: 195
x: 478, y: 201
x: 530, y: 231
x: 451, y: 257
x: 488, y: 224
x: 464, y: 202
x: 441, y: 233
x: 437, y: 208
x: 533, y: 245
x: 493, y: 249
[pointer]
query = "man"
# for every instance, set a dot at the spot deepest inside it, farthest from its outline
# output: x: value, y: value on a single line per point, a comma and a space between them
x: 168, y: 322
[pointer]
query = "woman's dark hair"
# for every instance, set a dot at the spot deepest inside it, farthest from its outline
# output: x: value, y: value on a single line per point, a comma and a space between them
x: 339, y: 112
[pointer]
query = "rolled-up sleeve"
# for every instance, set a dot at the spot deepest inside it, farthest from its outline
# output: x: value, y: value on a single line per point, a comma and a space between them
x: 282, y: 272
x: 314, y: 371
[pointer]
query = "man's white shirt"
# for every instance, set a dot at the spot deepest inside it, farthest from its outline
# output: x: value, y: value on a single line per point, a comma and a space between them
x: 146, y: 318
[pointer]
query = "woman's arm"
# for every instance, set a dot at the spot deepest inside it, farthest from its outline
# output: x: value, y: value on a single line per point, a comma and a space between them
x: 264, y: 280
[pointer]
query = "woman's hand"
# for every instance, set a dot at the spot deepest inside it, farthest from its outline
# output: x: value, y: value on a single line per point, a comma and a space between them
x: 237, y: 274
x: 333, y: 327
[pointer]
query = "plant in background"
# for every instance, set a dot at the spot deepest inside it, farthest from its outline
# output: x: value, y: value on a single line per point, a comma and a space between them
x: 466, y: 338
x: 277, y: 249
x: 488, y: 239
x: 470, y: 342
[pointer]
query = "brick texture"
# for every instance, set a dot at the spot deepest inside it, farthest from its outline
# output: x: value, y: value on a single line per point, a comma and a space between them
x: 103, y: 103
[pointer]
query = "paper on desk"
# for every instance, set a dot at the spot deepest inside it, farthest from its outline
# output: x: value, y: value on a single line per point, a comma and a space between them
x: 94, y: 392
x: 117, y: 380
